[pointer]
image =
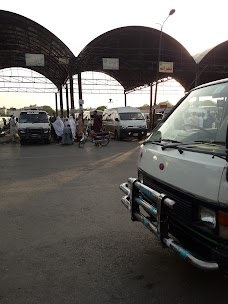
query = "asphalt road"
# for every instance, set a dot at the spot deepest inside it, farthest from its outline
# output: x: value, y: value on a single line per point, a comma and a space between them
x: 65, y: 237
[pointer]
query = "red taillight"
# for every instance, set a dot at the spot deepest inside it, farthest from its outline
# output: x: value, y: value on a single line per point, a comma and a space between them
x: 223, y: 218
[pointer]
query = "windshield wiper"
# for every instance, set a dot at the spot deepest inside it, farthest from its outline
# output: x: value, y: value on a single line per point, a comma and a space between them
x: 173, y: 144
x: 209, y: 142
x: 158, y: 142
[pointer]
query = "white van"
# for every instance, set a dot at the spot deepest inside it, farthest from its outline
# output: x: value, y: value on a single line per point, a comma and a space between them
x: 125, y: 122
x: 88, y: 117
x: 34, y: 126
x: 181, y: 192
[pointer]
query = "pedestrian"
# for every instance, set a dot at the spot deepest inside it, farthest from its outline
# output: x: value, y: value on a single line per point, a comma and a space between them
x: 97, y: 122
x: 53, y: 134
x: 200, y: 120
x: 72, y: 126
x: 58, y: 126
x: 67, y: 138
x: 13, y: 129
x: 195, y: 119
x: 80, y: 127
x: 66, y: 122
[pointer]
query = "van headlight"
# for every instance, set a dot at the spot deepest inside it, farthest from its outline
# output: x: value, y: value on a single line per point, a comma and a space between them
x: 22, y: 131
x: 46, y: 130
x: 123, y: 127
x: 207, y: 217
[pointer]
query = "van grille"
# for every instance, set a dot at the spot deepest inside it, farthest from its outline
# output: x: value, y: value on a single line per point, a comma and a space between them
x: 35, y: 131
x: 186, y: 205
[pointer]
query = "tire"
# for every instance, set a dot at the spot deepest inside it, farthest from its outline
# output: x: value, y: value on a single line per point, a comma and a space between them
x: 105, y: 142
x: 117, y: 136
x: 81, y: 144
x: 22, y: 142
x: 140, y: 137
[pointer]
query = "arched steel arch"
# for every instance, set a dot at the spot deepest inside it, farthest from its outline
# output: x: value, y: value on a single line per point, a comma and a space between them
x: 212, y: 64
x: 20, y: 35
x: 137, y: 50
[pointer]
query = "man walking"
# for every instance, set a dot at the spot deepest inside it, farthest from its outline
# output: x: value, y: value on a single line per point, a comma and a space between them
x: 13, y: 129
x: 97, y: 122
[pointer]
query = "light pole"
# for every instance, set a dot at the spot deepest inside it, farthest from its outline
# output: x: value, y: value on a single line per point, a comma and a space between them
x: 152, y: 121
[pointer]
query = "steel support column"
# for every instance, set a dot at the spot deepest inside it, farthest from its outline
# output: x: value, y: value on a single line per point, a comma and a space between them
x: 151, y: 100
x: 71, y: 92
x: 79, y: 86
x: 67, y: 101
x: 61, y: 101
x: 56, y: 105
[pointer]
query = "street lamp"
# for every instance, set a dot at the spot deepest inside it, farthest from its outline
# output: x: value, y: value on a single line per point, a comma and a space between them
x: 152, y: 121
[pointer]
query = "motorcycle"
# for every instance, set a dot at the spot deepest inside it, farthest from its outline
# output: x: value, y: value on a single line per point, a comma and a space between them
x: 98, y: 138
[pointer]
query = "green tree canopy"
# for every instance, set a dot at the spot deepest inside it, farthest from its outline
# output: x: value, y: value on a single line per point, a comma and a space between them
x: 49, y: 110
x: 102, y: 108
x: 204, y: 103
x: 167, y: 103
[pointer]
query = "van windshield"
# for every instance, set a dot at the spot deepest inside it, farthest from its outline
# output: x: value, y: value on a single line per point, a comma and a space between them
x: 39, y: 117
x: 200, y: 118
x: 131, y: 116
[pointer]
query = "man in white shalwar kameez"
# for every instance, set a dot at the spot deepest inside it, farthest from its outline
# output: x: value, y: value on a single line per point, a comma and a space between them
x: 72, y: 124
x: 13, y: 130
x: 58, y: 126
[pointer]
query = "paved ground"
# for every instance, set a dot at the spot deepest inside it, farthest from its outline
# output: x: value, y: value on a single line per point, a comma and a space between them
x: 66, y: 238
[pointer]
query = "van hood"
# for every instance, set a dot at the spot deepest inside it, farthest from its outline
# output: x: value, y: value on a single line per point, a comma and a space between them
x: 196, y: 173
x: 33, y: 125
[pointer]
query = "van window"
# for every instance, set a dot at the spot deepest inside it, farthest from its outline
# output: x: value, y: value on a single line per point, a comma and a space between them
x: 131, y: 116
x: 40, y: 117
x: 110, y: 116
x: 190, y: 122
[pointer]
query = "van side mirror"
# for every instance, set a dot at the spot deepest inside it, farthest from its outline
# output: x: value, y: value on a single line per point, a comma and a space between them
x: 116, y: 119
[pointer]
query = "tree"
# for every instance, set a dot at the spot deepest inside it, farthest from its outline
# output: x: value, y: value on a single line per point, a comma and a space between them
x: 48, y: 109
x: 102, y: 108
x: 204, y: 103
x: 166, y: 103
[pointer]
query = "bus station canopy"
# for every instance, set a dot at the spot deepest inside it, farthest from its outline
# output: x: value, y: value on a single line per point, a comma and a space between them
x: 25, y: 43
x: 20, y: 36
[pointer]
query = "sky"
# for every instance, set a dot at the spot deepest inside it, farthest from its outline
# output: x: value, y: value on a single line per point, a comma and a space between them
x: 197, y: 25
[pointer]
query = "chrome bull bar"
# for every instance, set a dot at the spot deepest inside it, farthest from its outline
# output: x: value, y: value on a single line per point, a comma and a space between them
x: 133, y: 200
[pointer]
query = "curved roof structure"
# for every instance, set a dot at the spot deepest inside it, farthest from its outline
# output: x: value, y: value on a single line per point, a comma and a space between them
x: 212, y: 63
x: 137, y: 49
x: 20, y: 35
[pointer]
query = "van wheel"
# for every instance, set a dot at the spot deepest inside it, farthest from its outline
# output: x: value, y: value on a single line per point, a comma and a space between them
x: 22, y: 142
x: 117, y: 136
x: 140, y: 137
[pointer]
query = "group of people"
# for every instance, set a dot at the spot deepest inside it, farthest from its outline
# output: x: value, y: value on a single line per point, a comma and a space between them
x: 203, y: 121
x: 68, y: 130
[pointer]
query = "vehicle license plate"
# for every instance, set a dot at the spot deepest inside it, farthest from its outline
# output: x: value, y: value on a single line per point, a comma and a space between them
x: 135, y: 134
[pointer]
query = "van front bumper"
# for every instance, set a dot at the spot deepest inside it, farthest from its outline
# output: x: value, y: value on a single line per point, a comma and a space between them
x: 133, y: 132
x: 34, y: 134
x: 157, y: 221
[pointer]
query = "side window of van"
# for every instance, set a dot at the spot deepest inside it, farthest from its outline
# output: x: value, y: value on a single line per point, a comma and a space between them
x: 104, y: 117
x: 113, y: 116
x: 109, y: 116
